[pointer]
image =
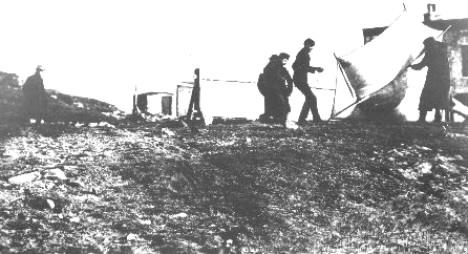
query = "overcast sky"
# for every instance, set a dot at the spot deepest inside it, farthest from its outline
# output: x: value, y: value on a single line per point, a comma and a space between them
x: 103, y: 49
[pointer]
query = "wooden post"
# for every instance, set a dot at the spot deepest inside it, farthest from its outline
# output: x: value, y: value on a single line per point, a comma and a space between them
x: 195, y: 102
x: 177, y: 100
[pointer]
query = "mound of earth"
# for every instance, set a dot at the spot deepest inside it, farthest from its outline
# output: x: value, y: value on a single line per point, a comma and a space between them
x: 61, y: 107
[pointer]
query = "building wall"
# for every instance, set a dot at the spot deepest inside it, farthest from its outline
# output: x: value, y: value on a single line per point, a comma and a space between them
x: 455, y: 40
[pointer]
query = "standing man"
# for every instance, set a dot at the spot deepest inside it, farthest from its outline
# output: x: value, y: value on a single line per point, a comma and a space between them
x: 282, y: 89
x: 278, y: 86
x: 301, y: 68
x: 436, y: 91
x: 35, y: 97
x: 265, y: 89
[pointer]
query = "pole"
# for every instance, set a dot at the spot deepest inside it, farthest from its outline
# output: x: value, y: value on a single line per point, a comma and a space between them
x: 334, y: 95
x: 177, y: 100
x: 195, y: 100
x: 197, y: 89
x: 443, y: 33
x: 348, y: 84
x: 350, y: 88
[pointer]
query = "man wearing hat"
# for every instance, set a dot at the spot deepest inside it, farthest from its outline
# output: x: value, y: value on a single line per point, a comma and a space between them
x: 301, y: 69
x: 278, y: 85
x: 265, y: 89
x: 35, y: 97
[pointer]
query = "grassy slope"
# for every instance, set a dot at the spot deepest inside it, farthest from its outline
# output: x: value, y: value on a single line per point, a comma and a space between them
x: 334, y: 187
x: 61, y: 107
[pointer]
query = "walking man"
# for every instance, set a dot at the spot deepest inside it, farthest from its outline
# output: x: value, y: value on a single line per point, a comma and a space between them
x: 301, y: 69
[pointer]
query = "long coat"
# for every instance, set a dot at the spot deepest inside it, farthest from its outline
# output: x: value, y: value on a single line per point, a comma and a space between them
x: 34, y: 97
x: 436, y: 91
x: 280, y: 86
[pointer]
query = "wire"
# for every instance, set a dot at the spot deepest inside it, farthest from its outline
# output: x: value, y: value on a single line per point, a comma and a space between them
x: 228, y: 81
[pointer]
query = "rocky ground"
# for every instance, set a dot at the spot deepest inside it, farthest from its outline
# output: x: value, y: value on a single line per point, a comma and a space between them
x: 337, y: 187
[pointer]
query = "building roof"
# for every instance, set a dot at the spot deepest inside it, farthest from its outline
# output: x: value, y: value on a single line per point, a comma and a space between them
x: 441, y: 24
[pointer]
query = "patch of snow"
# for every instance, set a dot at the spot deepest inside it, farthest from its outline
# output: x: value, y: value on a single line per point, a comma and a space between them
x: 25, y: 178
x: 78, y: 104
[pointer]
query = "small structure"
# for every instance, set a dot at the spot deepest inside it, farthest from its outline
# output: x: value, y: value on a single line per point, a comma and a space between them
x: 152, y: 103
x: 457, y: 39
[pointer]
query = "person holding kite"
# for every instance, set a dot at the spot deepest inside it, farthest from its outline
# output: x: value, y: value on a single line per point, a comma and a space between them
x: 436, y: 91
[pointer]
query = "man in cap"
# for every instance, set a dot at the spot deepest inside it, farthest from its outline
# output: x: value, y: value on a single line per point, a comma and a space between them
x: 436, y: 91
x: 35, y: 97
x: 301, y: 67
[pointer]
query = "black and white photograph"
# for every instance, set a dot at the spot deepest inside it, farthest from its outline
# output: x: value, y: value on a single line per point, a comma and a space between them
x: 233, y: 126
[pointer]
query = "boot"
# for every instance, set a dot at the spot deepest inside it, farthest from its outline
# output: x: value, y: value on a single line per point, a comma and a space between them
x: 317, y: 118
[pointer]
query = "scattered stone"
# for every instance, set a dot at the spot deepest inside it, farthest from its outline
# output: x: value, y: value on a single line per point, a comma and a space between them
x: 458, y: 157
x: 179, y: 216
x: 74, y: 184
x: 55, y: 174
x: 11, y: 154
x: 144, y: 222
x: 408, y: 174
x: 25, y: 178
x: 38, y: 203
x: 424, y: 168
x: 132, y: 237
x: 167, y: 132
x: 106, y: 124
x: 423, y: 148
x: 51, y: 203
x: 75, y: 219
x: 450, y: 168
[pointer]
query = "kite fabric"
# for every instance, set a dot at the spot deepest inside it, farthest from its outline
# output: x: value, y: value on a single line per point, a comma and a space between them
x: 379, y: 62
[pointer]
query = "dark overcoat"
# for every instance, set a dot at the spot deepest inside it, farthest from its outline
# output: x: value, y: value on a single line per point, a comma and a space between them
x: 280, y: 86
x: 34, y: 97
x: 436, y: 91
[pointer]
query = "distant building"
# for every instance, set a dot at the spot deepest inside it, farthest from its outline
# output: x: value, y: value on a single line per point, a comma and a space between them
x: 153, y: 103
x: 456, y: 38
